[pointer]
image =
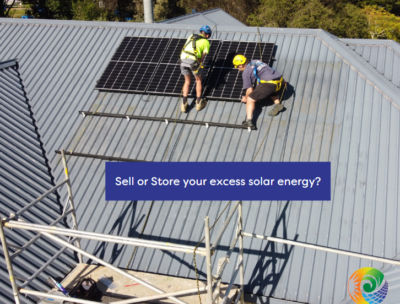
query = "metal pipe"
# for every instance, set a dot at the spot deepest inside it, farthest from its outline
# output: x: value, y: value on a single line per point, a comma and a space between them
x: 71, y: 201
x: 148, y: 11
x: 8, y: 262
x: 208, y: 260
x: 100, y: 261
x: 239, y: 296
x: 241, y: 271
x: 231, y: 282
x: 24, y: 247
x: 105, y: 237
x: 40, y: 270
x: 34, y: 202
x: 226, y: 223
x: 227, y: 256
x: 53, y: 296
x: 316, y: 247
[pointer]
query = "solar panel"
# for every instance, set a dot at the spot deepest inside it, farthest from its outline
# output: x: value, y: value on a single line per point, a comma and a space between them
x: 168, y: 80
x: 141, y: 49
x: 251, y: 50
x: 126, y: 76
x: 151, y: 65
x: 226, y: 83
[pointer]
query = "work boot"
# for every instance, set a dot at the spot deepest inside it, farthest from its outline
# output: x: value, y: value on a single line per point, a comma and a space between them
x: 184, y: 107
x: 276, y: 109
x: 248, y: 123
x: 200, y: 106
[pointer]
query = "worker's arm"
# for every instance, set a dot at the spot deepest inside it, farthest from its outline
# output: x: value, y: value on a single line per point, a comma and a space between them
x: 248, y: 92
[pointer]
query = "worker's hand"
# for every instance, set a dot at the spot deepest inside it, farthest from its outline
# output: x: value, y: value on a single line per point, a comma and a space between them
x: 244, y: 99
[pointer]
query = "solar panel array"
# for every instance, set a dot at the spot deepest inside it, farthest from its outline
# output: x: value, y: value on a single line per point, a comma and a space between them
x: 224, y: 82
x: 152, y: 65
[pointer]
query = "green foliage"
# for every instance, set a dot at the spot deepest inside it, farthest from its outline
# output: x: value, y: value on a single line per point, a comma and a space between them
x: 382, y: 24
x: 50, y: 9
x: 391, y: 6
x: 87, y: 10
x: 346, y: 21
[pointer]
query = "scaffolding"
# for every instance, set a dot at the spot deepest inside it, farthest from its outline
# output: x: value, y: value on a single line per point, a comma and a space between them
x: 213, y: 286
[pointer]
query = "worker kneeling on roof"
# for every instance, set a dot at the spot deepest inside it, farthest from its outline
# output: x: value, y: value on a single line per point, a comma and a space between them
x: 269, y: 83
x: 192, y: 56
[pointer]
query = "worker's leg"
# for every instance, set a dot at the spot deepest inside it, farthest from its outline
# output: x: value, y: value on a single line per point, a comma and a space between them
x: 250, y: 107
x: 200, y: 102
x: 186, y: 86
x: 277, y: 101
x: 199, y: 88
x: 185, y: 71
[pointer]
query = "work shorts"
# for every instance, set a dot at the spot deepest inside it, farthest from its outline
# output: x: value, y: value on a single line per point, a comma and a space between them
x: 264, y: 90
x: 186, y: 69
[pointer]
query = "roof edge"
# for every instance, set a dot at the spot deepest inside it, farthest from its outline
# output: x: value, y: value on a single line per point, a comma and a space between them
x: 158, y: 26
x: 8, y: 63
x: 368, y: 72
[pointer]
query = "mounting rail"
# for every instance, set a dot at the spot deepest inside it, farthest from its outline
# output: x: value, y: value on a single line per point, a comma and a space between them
x: 109, y: 158
x: 166, y: 120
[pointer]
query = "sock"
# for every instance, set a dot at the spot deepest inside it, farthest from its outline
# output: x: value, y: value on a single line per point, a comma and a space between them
x: 198, y: 99
x: 184, y: 99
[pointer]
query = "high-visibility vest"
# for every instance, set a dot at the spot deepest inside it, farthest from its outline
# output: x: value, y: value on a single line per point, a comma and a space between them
x: 192, y: 39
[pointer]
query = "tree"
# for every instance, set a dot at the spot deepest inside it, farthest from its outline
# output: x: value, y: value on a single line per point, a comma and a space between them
x: 50, y: 9
x: 87, y: 10
x: 382, y: 24
x: 344, y: 21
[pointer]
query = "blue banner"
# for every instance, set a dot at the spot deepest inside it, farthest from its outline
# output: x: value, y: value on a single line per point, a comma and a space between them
x: 218, y: 181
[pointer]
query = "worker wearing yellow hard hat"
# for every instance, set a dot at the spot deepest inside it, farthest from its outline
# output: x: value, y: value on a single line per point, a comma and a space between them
x: 268, y: 83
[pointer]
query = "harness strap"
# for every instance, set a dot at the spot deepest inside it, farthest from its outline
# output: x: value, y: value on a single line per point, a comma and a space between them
x: 278, y: 83
x: 193, y: 39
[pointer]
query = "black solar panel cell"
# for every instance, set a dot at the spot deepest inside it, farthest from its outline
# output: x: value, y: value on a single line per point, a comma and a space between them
x: 168, y: 79
x: 173, y: 52
x: 141, y: 49
x: 224, y: 84
x: 126, y: 77
x: 251, y: 50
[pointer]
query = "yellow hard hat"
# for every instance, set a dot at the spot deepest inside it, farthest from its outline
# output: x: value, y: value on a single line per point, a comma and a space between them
x: 239, y: 60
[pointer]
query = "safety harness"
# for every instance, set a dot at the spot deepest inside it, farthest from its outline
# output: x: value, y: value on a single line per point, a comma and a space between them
x: 192, y: 39
x: 258, y: 66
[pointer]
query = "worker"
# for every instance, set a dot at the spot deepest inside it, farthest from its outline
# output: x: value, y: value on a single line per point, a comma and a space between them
x: 269, y: 83
x: 192, y: 56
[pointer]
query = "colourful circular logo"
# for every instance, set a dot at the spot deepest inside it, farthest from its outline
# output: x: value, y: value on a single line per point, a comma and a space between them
x: 367, y: 286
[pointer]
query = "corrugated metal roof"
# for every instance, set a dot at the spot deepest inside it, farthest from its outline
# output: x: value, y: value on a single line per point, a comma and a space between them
x: 383, y: 55
x: 25, y: 174
x: 214, y: 16
x: 340, y: 109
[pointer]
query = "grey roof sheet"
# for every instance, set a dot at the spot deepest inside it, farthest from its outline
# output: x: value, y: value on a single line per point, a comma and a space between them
x: 25, y: 174
x: 340, y: 110
x: 214, y: 16
x: 383, y: 55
